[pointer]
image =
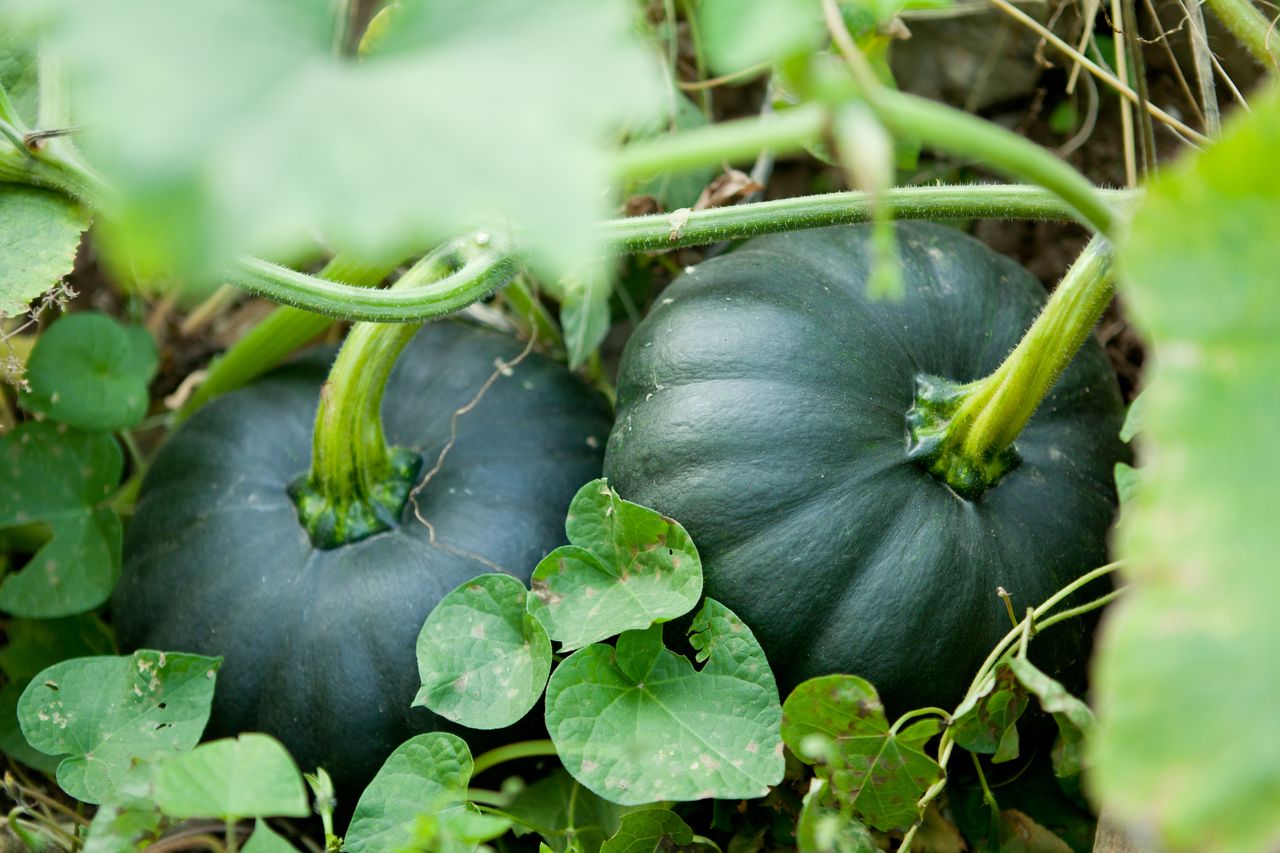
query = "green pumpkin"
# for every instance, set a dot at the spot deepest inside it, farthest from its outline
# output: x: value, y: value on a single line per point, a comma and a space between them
x: 764, y: 403
x: 319, y: 644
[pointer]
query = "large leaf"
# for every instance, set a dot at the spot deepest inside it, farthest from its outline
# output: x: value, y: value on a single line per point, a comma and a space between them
x: 482, y: 658
x: 640, y: 724
x: 838, y: 723
x: 39, y: 233
x: 61, y: 478
x: 230, y: 126
x: 18, y: 74
x: 249, y: 776
x: 626, y: 568
x: 1187, y: 685
x: 104, y: 713
x: 426, y: 775
x: 89, y: 372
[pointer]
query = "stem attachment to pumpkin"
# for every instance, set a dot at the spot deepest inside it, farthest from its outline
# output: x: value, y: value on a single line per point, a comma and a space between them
x: 964, y: 434
x: 358, y: 484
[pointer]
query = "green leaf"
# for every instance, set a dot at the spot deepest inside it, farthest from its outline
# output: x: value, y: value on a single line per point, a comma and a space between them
x: 91, y: 373
x: 104, y: 713
x: 740, y: 34
x: 1128, y: 481
x: 248, y: 776
x: 427, y: 774
x: 39, y: 234
x: 823, y: 829
x: 61, y: 478
x: 483, y: 659
x: 128, y: 815
x: 1186, y: 684
x: 503, y: 109
x: 627, y: 568
x: 1075, y: 720
x: 266, y: 840
x: 1134, y: 418
x: 987, y: 720
x: 652, y: 831
x: 584, y: 312
x: 881, y: 772
x: 681, y: 733
x: 562, y: 810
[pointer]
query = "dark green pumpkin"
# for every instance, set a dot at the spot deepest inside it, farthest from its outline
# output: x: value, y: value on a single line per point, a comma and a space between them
x: 319, y: 644
x: 764, y: 403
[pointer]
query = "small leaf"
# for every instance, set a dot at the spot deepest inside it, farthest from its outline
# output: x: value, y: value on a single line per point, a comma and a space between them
x: 104, y: 713
x: 652, y: 831
x: 1128, y: 481
x: 427, y: 774
x: 90, y: 372
x: 39, y: 234
x: 483, y: 659
x: 682, y: 734
x: 60, y: 478
x: 823, y: 829
x: 1074, y: 719
x: 266, y: 840
x: 584, y: 312
x: 1135, y: 418
x: 455, y: 830
x: 128, y: 815
x: 562, y: 810
x: 882, y: 773
x: 987, y: 721
x: 627, y: 568
x: 249, y: 776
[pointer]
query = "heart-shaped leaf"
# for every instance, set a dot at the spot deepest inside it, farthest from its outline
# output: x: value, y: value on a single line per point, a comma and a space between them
x: 653, y: 831
x: 90, y: 372
x: 838, y: 723
x: 104, y: 713
x: 426, y: 775
x: 61, y: 478
x: 483, y: 659
x: 674, y: 732
x: 626, y: 568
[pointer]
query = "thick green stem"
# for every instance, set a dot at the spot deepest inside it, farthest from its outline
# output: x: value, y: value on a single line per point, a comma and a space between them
x: 1251, y: 28
x: 358, y: 484
x: 964, y: 434
x: 278, y: 335
x: 512, y: 752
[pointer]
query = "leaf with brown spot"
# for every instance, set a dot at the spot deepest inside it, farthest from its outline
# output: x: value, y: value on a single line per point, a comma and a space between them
x: 836, y: 723
x: 627, y: 567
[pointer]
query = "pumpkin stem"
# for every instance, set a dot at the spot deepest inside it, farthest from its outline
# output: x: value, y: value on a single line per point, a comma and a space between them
x: 358, y: 485
x: 964, y: 433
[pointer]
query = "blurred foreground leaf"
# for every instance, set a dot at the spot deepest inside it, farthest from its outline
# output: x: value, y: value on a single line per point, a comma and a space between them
x: 1187, y: 680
